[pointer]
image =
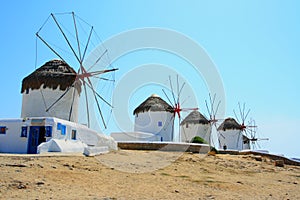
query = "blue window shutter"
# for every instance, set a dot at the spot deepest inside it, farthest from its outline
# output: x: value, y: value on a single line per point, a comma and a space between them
x: 24, y: 131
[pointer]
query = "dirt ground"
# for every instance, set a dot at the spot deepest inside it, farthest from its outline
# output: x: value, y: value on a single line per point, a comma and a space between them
x: 146, y: 175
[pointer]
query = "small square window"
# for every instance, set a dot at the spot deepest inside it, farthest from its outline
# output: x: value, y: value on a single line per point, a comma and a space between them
x: 159, y: 123
x: 58, y: 126
x: 2, y: 129
x: 63, y: 129
x: 24, y: 131
x: 48, y: 131
x: 73, y: 135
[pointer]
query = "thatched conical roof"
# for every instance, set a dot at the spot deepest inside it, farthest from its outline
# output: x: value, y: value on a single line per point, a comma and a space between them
x: 228, y: 124
x: 53, y: 74
x: 195, y: 117
x: 153, y: 103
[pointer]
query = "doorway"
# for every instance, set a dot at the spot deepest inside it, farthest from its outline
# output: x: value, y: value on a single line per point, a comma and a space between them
x: 36, y: 137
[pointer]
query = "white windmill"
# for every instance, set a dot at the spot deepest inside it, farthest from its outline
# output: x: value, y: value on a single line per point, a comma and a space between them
x: 177, y: 106
x: 195, y: 124
x: 237, y: 135
x: 71, y: 42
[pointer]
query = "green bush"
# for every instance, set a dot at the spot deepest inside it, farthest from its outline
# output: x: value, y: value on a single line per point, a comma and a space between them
x: 213, y: 149
x: 199, y: 140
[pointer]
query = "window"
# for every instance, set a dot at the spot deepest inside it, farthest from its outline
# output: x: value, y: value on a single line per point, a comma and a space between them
x: 63, y: 129
x: 24, y: 131
x: 2, y: 129
x: 58, y: 126
x: 48, y: 131
x: 73, y: 135
x: 186, y: 125
x: 159, y: 123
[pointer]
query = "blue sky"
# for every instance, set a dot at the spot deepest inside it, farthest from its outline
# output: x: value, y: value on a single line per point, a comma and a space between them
x: 255, y: 46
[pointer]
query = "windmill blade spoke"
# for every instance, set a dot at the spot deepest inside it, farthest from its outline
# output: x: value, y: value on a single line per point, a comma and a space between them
x: 235, y: 115
x: 77, y: 36
x: 177, y: 90
x: 189, y: 109
x: 96, y: 93
x: 179, y: 129
x: 71, y: 108
x: 87, y: 104
x: 105, y: 79
x: 102, y: 71
x: 222, y: 135
x: 262, y: 139
x: 258, y: 145
x: 181, y: 89
x: 172, y: 90
x: 247, y: 114
x: 98, y: 59
x: 64, y: 35
x: 167, y: 97
x: 211, y: 105
x: 185, y: 100
x: 208, y: 110
x: 217, y: 109
x: 55, y: 52
x: 99, y: 109
x: 59, y: 98
x: 241, y: 113
x: 86, y: 46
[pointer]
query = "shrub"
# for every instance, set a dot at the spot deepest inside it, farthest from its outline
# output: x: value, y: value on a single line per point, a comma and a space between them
x: 199, y: 140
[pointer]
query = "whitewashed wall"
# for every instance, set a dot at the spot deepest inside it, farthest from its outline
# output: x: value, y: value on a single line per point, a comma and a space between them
x: 34, y: 106
x: 188, y: 132
x: 11, y: 141
x: 233, y: 139
x: 149, y: 122
x: 246, y: 146
x: 134, y: 136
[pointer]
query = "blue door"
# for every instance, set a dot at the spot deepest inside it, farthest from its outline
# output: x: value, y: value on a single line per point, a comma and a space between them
x: 36, y: 137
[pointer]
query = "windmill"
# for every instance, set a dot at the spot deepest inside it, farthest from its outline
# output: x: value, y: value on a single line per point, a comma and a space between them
x: 248, y: 130
x: 176, y: 101
x: 71, y: 43
x: 212, y: 108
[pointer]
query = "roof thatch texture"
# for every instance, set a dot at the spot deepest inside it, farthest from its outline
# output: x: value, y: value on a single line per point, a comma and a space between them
x: 195, y: 117
x: 53, y: 74
x: 228, y: 124
x: 153, y: 103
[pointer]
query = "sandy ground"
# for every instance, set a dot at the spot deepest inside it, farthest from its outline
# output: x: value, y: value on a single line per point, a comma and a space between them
x: 146, y: 175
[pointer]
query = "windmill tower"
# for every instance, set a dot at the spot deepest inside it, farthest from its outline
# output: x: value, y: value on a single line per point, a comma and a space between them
x: 230, y: 135
x: 195, y: 124
x: 155, y: 116
x: 52, y: 86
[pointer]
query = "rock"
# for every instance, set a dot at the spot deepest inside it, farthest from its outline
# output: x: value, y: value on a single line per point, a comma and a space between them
x: 16, y: 165
x: 257, y: 158
x: 279, y: 163
x: 40, y: 183
x: 21, y: 186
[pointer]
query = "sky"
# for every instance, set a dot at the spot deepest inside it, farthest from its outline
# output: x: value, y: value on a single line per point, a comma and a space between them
x: 254, y: 46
